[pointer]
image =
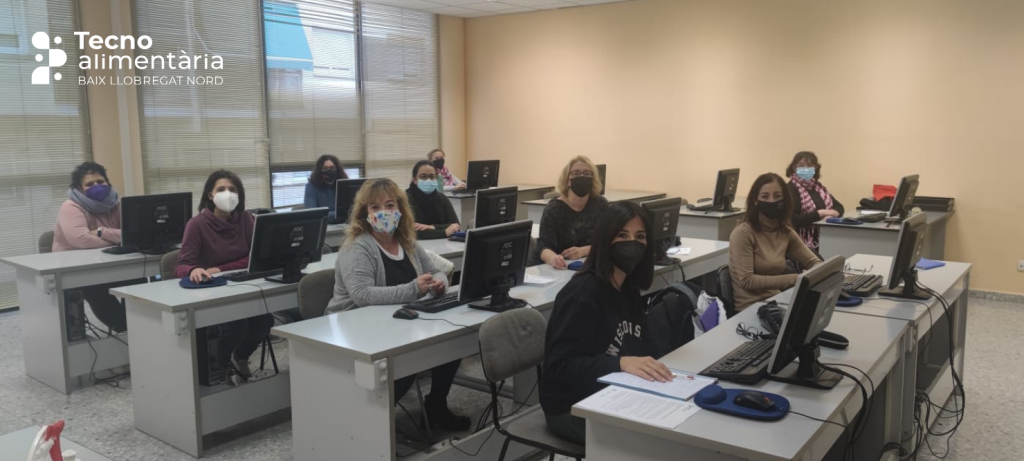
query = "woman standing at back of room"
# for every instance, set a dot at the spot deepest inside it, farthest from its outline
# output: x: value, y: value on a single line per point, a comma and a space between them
x: 218, y: 240
x: 444, y: 175
x: 320, y: 189
x: 759, y: 245
x: 812, y: 201
x: 567, y: 225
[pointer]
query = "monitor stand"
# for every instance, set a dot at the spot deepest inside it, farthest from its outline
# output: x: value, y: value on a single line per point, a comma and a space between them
x: 908, y: 290
x: 806, y: 371
x: 661, y: 253
x: 725, y: 207
x: 292, y: 273
x: 500, y: 300
x: 161, y: 245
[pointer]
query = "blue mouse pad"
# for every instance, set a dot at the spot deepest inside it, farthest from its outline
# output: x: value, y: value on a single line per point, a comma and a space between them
x: 925, y: 264
x: 216, y: 282
x: 720, y: 400
x: 575, y: 265
x: 852, y: 301
x: 843, y: 221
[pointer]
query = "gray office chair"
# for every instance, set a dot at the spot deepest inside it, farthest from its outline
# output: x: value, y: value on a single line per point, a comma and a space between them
x: 167, y: 263
x: 552, y: 195
x: 315, y: 291
x: 724, y: 290
x: 46, y: 242
x: 511, y: 343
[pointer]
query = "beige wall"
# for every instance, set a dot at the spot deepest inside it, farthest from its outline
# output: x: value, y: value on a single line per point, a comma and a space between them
x: 452, y: 74
x: 669, y: 91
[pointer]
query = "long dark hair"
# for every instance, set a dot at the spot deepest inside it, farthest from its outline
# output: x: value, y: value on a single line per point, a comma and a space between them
x: 608, y: 226
x: 753, y: 215
x: 317, y: 178
x: 418, y: 165
x: 86, y: 168
x: 811, y: 158
x: 206, y: 204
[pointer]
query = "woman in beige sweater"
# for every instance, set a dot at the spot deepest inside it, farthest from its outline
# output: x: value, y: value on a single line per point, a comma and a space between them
x: 759, y: 245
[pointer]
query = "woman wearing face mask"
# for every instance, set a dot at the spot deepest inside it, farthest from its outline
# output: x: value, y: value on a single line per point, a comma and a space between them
x: 320, y: 190
x: 379, y: 263
x: 813, y: 201
x: 759, y: 245
x: 567, y: 225
x: 434, y: 214
x: 446, y: 177
x: 218, y: 240
x: 599, y: 325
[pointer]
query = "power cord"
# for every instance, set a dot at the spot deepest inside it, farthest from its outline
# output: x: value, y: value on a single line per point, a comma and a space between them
x: 448, y: 322
x: 112, y: 381
x: 861, y: 422
x: 959, y: 409
x: 816, y: 419
x: 494, y: 429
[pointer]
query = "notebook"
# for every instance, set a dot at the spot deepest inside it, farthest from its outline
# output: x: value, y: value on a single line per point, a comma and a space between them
x: 683, y: 387
x: 925, y: 264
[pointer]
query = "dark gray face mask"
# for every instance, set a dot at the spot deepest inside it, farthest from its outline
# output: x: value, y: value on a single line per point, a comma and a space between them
x: 581, y: 186
x: 627, y: 255
x: 772, y: 210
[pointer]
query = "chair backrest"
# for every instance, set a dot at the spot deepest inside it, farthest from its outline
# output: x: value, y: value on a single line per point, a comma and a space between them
x: 511, y: 342
x: 315, y: 291
x: 552, y: 195
x: 167, y: 263
x: 46, y: 242
x: 724, y: 289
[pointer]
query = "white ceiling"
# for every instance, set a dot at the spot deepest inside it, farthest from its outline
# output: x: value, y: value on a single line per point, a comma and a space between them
x: 477, y: 8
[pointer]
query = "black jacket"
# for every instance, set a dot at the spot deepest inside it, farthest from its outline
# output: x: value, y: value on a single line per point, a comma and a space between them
x: 434, y: 209
x: 806, y: 219
x: 591, y: 326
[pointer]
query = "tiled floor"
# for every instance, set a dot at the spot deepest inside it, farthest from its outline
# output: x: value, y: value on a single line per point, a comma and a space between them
x: 100, y: 417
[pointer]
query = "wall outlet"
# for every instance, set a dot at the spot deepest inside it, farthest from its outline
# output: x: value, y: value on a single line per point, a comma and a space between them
x: 1020, y: 266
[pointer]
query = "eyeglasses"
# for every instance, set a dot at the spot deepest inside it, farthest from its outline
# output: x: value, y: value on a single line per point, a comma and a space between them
x: 425, y: 177
x: 581, y: 173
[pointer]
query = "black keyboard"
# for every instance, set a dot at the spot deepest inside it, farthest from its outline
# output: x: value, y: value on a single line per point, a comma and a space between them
x: 706, y: 207
x: 438, y: 304
x: 245, y: 276
x: 120, y: 250
x: 871, y: 218
x: 862, y: 285
x: 745, y: 365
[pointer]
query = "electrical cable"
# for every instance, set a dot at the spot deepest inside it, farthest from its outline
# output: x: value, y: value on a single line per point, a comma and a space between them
x: 816, y: 419
x: 861, y: 419
x: 495, y: 428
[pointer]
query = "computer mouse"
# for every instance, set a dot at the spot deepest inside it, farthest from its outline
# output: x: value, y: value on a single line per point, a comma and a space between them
x: 206, y: 279
x: 575, y: 265
x: 459, y: 234
x: 754, y: 400
x: 406, y: 314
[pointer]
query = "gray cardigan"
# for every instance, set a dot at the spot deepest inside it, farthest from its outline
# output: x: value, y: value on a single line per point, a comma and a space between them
x: 359, y: 279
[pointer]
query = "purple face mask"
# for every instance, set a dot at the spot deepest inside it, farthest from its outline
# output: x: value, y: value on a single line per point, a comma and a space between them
x: 98, y: 192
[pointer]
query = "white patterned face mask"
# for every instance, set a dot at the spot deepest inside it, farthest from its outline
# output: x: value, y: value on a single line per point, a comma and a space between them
x: 385, y: 221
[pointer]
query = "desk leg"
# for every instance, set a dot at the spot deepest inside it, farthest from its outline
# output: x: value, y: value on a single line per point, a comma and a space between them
x: 164, y: 380
x: 466, y: 212
x: 935, y: 241
x: 332, y: 416
x: 43, y: 332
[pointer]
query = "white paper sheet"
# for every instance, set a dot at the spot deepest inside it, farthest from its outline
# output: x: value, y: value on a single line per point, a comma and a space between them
x: 640, y: 407
x: 679, y: 251
x: 683, y: 387
x: 538, y: 280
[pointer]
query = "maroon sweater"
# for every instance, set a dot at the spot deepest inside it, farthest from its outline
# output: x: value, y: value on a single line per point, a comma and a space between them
x: 213, y: 242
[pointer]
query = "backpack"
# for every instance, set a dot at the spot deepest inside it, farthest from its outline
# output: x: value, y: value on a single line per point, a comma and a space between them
x: 670, y: 318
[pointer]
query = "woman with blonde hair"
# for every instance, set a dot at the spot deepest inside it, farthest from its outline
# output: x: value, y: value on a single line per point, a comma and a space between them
x: 380, y: 263
x: 567, y: 225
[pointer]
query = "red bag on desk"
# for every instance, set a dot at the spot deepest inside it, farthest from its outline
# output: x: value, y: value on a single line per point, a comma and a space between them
x: 881, y: 191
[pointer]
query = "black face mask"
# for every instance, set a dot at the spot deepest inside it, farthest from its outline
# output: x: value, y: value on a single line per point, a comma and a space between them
x: 329, y: 176
x: 772, y: 210
x: 439, y: 163
x: 627, y: 254
x: 581, y: 186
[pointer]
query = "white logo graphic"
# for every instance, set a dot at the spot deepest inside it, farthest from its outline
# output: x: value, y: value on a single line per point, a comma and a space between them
x: 57, y: 58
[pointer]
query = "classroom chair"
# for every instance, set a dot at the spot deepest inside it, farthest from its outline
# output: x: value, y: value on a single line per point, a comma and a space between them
x: 46, y: 242
x: 511, y: 343
x: 167, y: 263
x: 724, y: 291
x: 315, y: 291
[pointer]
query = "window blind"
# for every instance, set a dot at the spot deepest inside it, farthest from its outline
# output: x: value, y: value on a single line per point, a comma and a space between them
x: 188, y: 131
x: 44, y: 129
x: 400, y: 89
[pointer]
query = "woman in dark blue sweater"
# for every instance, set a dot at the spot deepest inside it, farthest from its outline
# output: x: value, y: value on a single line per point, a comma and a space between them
x: 320, y: 188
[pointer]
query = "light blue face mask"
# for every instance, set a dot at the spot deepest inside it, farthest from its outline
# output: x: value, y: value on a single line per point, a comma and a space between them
x: 805, y: 172
x: 428, y: 187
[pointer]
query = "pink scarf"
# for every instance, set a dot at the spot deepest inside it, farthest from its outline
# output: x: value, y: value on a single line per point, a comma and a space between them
x: 447, y: 176
x: 809, y: 234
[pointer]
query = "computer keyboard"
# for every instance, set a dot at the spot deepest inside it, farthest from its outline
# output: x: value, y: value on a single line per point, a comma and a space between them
x: 745, y: 365
x: 120, y: 250
x: 871, y: 218
x: 435, y: 305
x: 706, y: 207
x: 862, y: 285
x: 245, y: 276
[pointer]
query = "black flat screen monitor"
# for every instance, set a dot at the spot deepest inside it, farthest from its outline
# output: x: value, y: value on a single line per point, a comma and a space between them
x: 602, y: 172
x: 496, y: 206
x: 494, y: 262
x: 725, y: 190
x: 664, y: 216
x: 345, y: 191
x: 482, y: 174
x: 909, y: 248
x: 288, y: 241
x: 904, y: 199
x: 152, y: 224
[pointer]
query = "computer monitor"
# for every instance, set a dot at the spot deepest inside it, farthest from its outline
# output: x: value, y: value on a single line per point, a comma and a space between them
x: 344, y: 194
x: 287, y: 241
x: 664, y: 216
x: 152, y: 224
x: 494, y: 262
x: 496, y: 206
x: 602, y: 172
x: 904, y: 199
x: 482, y: 174
x: 810, y: 310
x: 909, y: 248
x: 725, y: 190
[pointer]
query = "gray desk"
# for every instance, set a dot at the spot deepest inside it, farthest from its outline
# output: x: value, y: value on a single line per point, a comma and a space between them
x: 712, y: 225
x: 880, y: 238
x: 935, y: 377
x: 535, y: 208
x: 465, y: 204
x: 42, y: 281
x: 876, y: 347
x: 343, y: 366
x: 14, y: 446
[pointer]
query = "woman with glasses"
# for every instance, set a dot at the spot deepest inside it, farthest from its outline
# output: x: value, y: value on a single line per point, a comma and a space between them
x: 567, y: 225
x: 434, y: 214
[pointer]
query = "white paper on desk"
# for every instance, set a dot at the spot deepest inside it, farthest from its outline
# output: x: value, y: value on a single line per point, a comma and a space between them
x: 871, y: 212
x: 681, y: 251
x: 683, y: 387
x: 640, y: 407
x: 538, y: 280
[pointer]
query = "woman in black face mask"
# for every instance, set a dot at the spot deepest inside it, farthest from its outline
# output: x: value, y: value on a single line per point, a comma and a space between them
x: 599, y: 325
x: 567, y: 225
x: 760, y: 245
x: 320, y: 188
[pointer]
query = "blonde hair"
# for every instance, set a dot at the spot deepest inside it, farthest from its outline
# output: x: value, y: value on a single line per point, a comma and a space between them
x: 379, y: 190
x: 563, y: 179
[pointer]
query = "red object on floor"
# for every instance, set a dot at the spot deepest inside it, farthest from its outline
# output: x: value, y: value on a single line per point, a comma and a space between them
x: 881, y: 191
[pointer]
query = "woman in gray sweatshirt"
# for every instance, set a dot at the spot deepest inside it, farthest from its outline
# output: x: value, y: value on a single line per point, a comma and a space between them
x: 379, y: 263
